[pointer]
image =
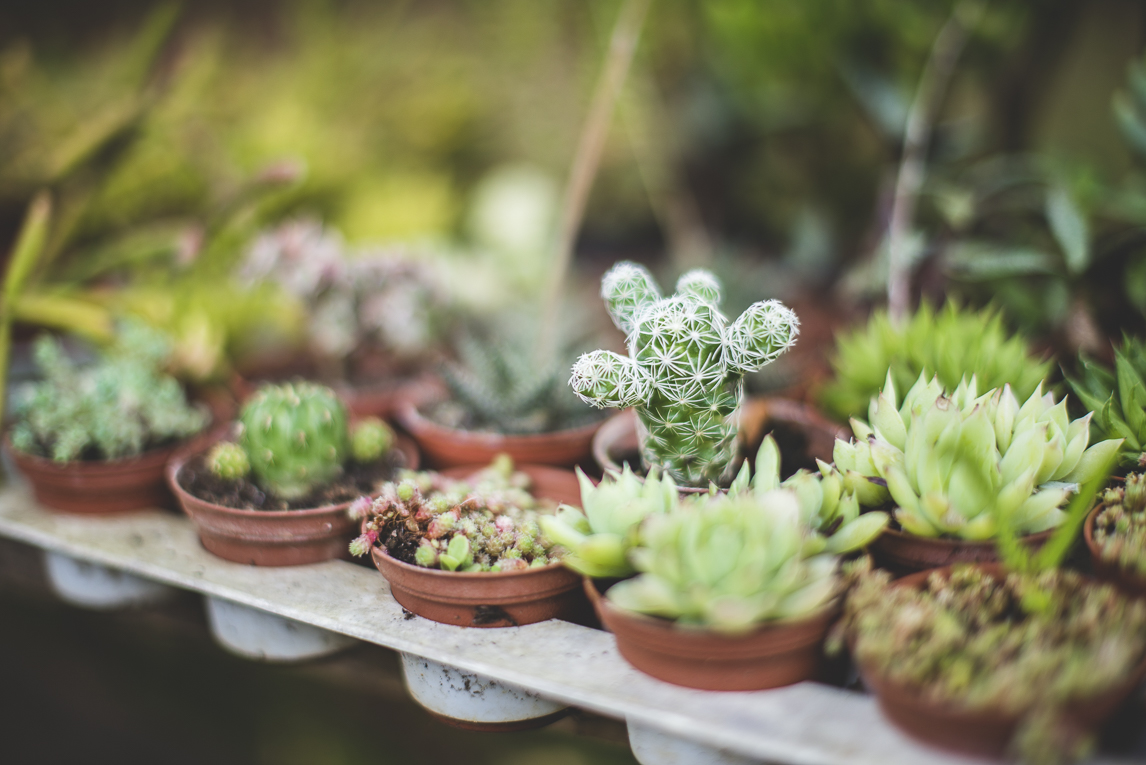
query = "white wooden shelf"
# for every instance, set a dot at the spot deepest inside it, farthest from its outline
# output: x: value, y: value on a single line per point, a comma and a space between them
x: 805, y: 724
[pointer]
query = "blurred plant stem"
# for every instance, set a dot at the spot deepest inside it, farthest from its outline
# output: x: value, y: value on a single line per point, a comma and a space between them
x: 590, y: 146
x: 27, y: 249
x: 925, y: 107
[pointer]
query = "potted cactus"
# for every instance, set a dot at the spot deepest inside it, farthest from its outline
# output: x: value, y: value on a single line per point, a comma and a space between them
x: 278, y: 495
x: 1023, y: 658
x: 735, y: 591
x: 95, y: 439
x: 955, y: 466
x: 464, y: 547
x: 499, y: 399
x: 685, y: 369
x: 1115, y: 534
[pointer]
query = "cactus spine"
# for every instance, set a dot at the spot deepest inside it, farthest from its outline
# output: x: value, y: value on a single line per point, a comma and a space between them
x: 295, y: 436
x: 685, y: 368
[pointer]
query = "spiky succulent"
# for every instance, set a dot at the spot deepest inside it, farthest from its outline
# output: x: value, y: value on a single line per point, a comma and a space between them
x: 228, y: 460
x: 1117, y: 397
x: 599, y: 539
x: 951, y: 343
x: 728, y: 564
x: 960, y: 465
x: 1120, y: 527
x: 685, y: 368
x: 370, y: 438
x: 974, y: 641
x: 295, y: 436
x: 488, y: 523
x: 118, y: 407
x: 498, y: 384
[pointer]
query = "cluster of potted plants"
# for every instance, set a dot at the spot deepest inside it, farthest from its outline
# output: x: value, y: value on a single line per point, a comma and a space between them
x: 716, y: 564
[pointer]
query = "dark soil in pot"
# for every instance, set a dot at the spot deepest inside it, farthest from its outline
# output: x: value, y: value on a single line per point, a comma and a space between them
x: 278, y: 537
x: 491, y: 599
x: 447, y: 447
x: 770, y: 656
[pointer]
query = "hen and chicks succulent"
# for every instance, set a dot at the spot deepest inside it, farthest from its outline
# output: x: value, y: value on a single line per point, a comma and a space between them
x: 488, y: 522
x: 960, y: 464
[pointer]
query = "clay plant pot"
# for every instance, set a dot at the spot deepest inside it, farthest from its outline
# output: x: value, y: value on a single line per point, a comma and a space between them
x: 985, y: 732
x: 493, y: 599
x: 450, y: 447
x: 271, y: 537
x: 812, y: 434
x: 903, y: 553
x: 771, y: 656
x: 1127, y: 581
x: 103, y: 487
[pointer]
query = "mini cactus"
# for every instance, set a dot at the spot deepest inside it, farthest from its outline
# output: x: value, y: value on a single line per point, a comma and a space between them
x: 960, y: 465
x: 488, y: 523
x: 295, y: 436
x: 1120, y: 527
x: 228, y: 461
x: 685, y: 368
x: 370, y: 439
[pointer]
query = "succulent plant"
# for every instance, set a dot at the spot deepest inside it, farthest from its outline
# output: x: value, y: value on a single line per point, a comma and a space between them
x: 973, y: 641
x: 118, y: 407
x: 685, y: 368
x: 295, y: 436
x: 1117, y: 397
x: 951, y: 343
x: 228, y: 460
x: 370, y: 438
x: 488, y: 523
x: 1120, y: 527
x: 497, y: 384
x: 962, y: 464
x: 728, y: 563
x: 599, y: 539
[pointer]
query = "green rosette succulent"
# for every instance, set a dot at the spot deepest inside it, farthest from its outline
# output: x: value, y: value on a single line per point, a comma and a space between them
x: 950, y: 343
x: 685, y: 368
x: 728, y: 564
x: 599, y: 539
x: 295, y: 436
x: 1117, y: 397
x: 958, y: 465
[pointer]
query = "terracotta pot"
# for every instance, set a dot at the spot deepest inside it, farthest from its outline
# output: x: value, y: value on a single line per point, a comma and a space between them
x: 984, y: 732
x: 770, y: 656
x: 270, y: 537
x: 1109, y: 570
x: 493, y: 599
x: 617, y: 441
x: 904, y: 553
x: 450, y: 447
x: 103, y: 487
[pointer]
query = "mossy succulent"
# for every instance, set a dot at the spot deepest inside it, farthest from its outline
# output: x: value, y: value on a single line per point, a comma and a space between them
x: 488, y: 523
x: 120, y: 406
x: 1120, y: 527
x: 973, y: 641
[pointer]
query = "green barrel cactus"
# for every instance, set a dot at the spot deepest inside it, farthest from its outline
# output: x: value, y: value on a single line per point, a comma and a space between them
x: 228, y: 461
x: 685, y: 368
x: 295, y: 436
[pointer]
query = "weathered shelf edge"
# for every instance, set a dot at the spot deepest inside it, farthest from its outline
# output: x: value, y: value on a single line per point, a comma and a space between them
x: 805, y: 724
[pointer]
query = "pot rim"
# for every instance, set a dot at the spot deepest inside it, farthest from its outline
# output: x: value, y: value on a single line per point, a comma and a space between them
x: 176, y: 464
x: 408, y: 414
x: 955, y: 543
x: 159, y: 455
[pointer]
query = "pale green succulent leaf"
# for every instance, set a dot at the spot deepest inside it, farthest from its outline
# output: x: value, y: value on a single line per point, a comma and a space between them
x: 858, y: 533
x: 767, y: 475
x: 1093, y: 461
